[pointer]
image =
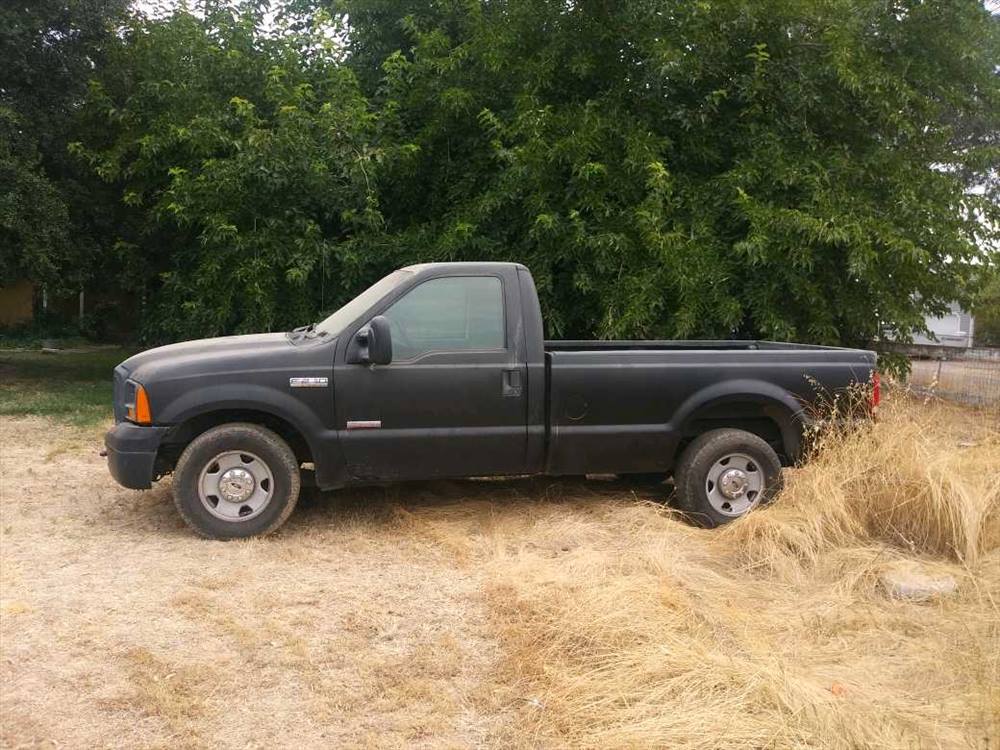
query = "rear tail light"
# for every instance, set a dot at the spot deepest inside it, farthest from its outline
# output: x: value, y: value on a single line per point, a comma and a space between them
x: 876, y: 391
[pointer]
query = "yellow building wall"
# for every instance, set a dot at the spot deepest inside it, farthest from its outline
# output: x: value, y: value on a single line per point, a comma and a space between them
x: 16, y: 303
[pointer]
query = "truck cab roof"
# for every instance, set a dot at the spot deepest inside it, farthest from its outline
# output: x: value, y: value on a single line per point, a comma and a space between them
x: 469, y: 266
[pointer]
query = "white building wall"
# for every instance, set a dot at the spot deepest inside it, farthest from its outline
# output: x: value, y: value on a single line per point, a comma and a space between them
x: 956, y: 328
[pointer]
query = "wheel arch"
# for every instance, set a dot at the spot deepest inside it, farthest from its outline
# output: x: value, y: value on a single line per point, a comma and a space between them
x: 759, y: 407
x: 197, y: 423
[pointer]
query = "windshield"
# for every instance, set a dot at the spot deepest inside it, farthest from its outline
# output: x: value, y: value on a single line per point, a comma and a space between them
x: 357, y: 306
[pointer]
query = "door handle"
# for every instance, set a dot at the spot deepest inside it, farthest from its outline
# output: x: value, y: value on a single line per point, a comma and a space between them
x: 511, y: 383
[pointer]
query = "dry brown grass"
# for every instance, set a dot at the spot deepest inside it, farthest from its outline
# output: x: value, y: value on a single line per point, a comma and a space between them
x: 510, y: 613
x: 773, y: 632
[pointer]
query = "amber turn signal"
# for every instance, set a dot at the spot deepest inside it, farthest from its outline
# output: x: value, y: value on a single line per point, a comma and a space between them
x: 139, y: 412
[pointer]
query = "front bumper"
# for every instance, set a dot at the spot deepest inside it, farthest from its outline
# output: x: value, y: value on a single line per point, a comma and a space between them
x: 132, y: 453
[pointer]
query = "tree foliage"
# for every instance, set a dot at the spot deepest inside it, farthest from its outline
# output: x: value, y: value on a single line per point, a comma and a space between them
x: 776, y: 168
x: 817, y: 171
x: 247, y: 161
x: 34, y: 227
x: 986, y: 309
x: 51, y: 227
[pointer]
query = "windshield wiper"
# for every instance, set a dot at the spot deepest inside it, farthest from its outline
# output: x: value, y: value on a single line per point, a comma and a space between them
x: 308, y: 331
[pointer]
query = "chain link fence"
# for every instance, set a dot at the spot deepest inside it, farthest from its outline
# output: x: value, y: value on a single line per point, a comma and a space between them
x: 971, y: 379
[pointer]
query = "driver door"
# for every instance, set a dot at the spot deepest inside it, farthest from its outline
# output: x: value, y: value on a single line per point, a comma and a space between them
x: 452, y: 402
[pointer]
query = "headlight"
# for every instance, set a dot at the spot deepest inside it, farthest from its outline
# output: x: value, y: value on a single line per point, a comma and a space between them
x: 137, y: 403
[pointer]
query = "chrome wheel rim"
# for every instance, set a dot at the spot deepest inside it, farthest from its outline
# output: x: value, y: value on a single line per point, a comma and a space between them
x: 734, y: 484
x: 236, y: 486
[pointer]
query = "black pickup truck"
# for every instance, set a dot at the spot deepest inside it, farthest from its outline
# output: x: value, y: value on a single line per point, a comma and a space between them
x: 441, y: 370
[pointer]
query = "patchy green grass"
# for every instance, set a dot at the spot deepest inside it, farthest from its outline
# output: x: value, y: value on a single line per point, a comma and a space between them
x: 73, y: 387
x: 29, y: 339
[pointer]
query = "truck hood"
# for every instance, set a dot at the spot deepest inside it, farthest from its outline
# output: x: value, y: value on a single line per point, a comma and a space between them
x: 245, y: 372
x: 207, y: 356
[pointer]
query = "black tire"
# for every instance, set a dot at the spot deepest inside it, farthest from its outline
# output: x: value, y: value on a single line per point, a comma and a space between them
x: 261, y: 444
x: 701, y: 457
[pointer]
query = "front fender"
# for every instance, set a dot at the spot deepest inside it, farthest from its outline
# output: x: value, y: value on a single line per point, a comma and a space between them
x: 284, y: 406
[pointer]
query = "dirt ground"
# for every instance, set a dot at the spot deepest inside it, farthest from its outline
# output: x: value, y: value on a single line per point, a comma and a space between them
x: 353, y: 627
x: 453, y: 614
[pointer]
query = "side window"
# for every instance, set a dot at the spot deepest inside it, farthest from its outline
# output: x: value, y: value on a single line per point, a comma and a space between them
x: 449, y: 314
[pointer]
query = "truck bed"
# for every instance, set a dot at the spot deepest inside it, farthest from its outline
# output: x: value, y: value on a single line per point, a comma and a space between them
x: 619, y: 406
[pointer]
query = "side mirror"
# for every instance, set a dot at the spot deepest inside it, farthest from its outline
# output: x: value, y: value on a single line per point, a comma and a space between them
x: 375, y: 342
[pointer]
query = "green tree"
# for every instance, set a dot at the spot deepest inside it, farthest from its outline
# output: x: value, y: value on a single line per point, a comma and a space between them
x: 986, y: 309
x: 772, y: 168
x: 34, y: 225
x: 769, y: 168
x: 245, y: 159
x: 51, y: 222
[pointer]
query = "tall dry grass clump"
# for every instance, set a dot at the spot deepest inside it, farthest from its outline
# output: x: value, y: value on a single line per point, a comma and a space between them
x: 626, y: 628
x: 924, y: 477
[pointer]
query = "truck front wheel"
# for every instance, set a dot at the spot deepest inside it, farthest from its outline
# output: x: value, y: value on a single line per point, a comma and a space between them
x: 723, y: 474
x: 236, y: 480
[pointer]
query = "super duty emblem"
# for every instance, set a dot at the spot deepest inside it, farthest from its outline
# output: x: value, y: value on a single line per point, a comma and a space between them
x: 308, y: 382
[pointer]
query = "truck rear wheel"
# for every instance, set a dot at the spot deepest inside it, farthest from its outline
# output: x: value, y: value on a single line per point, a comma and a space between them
x: 723, y: 474
x: 236, y: 480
